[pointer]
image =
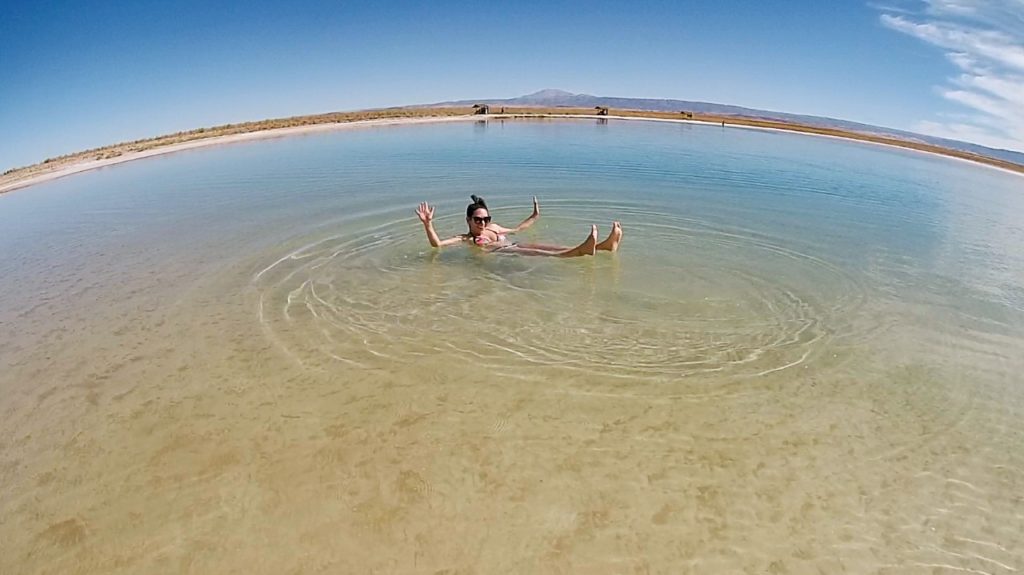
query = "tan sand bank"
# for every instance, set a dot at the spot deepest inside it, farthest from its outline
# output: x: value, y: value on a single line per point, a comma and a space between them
x: 82, y: 161
x: 85, y: 161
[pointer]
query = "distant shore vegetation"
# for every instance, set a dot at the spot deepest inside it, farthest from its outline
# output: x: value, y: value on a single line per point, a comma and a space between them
x: 9, y: 178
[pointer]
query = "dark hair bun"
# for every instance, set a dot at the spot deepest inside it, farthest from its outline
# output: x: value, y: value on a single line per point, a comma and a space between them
x: 478, y: 200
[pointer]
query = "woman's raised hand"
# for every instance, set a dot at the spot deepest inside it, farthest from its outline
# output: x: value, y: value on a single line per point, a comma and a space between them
x: 536, y: 208
x: 425, y: 212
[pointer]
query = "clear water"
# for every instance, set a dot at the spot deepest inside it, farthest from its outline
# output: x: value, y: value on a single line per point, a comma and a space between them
x: 806, y: 357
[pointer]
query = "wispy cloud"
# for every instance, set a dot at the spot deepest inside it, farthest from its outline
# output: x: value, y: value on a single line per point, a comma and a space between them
x: 984, y: 40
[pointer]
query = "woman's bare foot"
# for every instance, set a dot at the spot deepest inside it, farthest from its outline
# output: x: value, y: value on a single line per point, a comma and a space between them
x: 587, y: 248
x: 611, y: 243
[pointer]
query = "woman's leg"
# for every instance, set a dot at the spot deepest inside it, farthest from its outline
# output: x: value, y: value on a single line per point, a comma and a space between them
x: 611, y: 243
x: 543, y: 247
x: 586, y: 248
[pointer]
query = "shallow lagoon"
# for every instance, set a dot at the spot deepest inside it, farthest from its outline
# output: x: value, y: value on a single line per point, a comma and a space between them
x: 806, y: 357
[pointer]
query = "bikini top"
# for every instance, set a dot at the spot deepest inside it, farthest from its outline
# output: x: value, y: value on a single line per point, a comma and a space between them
x: 482, y: 241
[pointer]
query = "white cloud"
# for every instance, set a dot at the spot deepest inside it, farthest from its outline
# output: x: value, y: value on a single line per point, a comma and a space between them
x: 984, y: 40
x: 890, y: 8
x: 963, y: 61
x: 943, y: 7
x: 1005, y: 88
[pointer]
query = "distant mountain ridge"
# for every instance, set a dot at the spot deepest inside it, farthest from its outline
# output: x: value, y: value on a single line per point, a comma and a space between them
x: 553, y: 98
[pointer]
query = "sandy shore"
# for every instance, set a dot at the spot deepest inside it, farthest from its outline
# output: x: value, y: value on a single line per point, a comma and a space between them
x: 78, y: 163
x: 848, y: 136
x: 83, y: 166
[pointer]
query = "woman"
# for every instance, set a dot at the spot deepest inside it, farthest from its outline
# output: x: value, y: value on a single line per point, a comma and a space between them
x: 492, y: 237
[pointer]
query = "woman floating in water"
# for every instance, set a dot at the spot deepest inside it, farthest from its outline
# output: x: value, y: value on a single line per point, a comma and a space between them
x: 493, y: 237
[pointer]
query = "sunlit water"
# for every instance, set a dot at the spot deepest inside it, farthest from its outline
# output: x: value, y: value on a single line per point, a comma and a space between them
x: 807, y: 357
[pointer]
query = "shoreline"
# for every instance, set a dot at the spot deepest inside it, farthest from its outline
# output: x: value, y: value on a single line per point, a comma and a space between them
x: 88, y: 165
x: 854, y: 137
x: 121, y: 153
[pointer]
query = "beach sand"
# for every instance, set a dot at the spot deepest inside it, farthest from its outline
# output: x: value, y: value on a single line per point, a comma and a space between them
x: 279, y: 380
x: 86, y: 165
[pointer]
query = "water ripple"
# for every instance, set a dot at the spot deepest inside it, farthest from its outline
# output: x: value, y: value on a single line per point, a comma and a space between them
x: 722, y: 301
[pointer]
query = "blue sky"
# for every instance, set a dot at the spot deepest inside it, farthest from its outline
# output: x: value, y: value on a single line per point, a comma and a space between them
x: 79, y: 75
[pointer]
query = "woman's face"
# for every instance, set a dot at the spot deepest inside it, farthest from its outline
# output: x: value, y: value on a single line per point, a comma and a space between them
x: 478, y: 221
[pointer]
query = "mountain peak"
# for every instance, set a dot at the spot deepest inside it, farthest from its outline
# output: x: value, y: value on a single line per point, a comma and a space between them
x: 548, y: 94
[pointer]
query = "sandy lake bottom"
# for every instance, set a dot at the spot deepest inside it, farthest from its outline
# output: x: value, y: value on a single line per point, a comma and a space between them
x: 805, y: 358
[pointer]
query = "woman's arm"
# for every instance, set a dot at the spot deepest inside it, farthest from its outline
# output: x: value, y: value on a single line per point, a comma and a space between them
x: 451, y: 241
x: 525, y: 223
x: 426, y: 215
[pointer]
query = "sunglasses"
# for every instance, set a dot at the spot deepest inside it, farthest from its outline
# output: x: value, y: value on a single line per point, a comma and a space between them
x: 482, y: 221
